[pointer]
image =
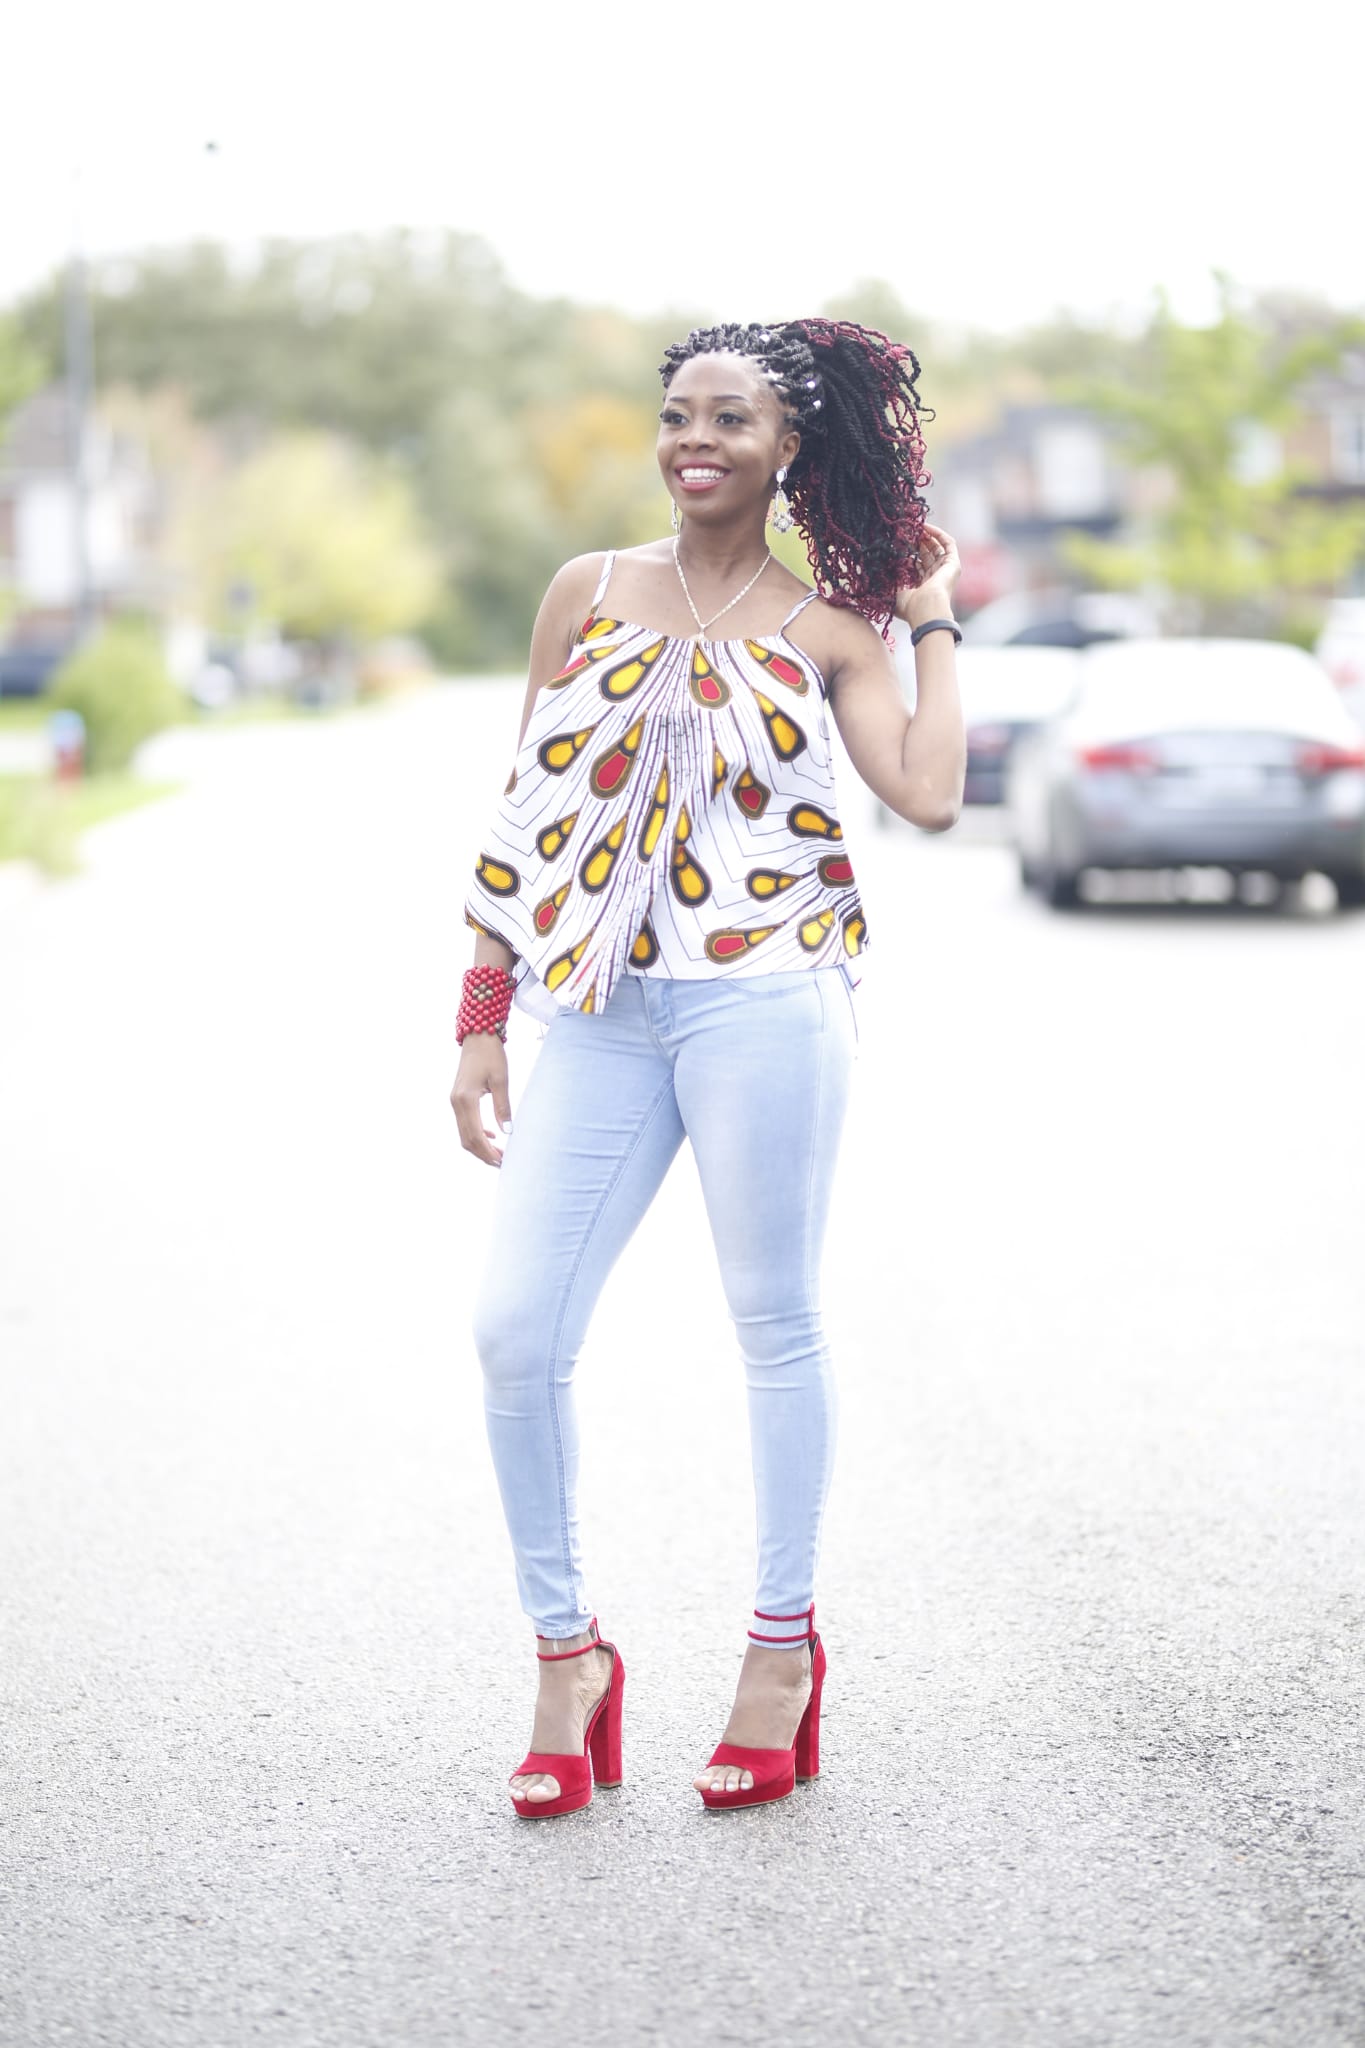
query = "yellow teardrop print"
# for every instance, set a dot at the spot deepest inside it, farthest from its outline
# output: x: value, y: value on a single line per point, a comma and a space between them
x: 765, y: 882
x: 496, y: 876
x: 689, y: 880
x: 788, y: 739
x: 658, y: 812
x: 619, y: 682
x: 808, y: 821
x: 557, y: 754
x: 595, y: 872
x: 555, y: 836
x: 558, y: 971
x: 816, y: 930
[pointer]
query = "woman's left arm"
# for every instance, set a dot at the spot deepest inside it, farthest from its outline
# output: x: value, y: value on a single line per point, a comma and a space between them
x: 915, y: 762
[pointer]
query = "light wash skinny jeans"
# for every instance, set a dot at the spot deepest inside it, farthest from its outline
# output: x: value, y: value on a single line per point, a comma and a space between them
x: 754, y: 1071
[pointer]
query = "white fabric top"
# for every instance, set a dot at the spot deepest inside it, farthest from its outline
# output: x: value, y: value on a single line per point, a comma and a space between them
x: 670, y: 812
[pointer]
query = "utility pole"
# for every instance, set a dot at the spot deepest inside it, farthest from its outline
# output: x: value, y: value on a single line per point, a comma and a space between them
x: 80, y: 356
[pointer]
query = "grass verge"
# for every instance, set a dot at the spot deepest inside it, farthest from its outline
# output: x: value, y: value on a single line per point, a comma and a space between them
x: 42, y: 821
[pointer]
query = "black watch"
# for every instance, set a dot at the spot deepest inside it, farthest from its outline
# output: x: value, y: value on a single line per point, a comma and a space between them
x: 937, y: 626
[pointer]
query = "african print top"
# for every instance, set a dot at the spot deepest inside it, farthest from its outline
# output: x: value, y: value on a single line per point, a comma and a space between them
x: 670, y: 812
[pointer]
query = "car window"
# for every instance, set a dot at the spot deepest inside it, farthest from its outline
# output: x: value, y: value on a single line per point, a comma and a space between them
x: 1021, y: 684
x: 1171, y: 685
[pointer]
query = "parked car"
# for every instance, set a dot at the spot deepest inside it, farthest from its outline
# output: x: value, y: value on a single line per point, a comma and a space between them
x: 1235, y: 754
x: 1060, y: 618
x: 1006, y: 692
x: 1341, y: 650
x: 27, y: 666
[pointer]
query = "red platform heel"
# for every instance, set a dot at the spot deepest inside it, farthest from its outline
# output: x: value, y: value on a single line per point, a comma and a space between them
x: 775, y: 1771
x: 601, y: 1743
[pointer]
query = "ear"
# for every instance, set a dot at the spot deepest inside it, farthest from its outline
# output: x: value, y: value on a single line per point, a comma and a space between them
x: 787, y: 448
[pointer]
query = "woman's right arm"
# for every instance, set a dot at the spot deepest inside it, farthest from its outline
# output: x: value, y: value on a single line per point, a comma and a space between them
x: 483, y: 1056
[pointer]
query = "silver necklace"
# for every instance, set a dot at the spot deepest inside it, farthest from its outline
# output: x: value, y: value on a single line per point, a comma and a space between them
x: 702, y: 623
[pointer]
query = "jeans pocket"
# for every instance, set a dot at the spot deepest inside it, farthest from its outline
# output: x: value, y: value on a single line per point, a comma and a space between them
x: 846, y: 975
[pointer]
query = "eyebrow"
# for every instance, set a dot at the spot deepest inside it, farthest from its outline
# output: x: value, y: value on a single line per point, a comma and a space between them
x: 721, y: 398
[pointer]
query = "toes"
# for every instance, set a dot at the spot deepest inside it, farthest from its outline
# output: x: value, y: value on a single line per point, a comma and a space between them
x: 535, y: 1788
x: 724, y: 1778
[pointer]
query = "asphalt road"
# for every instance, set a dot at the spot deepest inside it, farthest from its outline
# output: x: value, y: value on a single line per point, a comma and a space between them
x: 1093, y: 1589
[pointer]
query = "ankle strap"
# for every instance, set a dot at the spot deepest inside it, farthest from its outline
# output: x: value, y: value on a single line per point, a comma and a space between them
x: 787, y: 1638
x: 560, y: 1656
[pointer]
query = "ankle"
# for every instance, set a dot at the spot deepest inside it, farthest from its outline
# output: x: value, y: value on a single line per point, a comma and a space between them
x: 549, y: 1648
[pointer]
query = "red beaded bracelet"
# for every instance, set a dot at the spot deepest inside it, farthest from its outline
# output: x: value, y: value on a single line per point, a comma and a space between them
x: 485, y: 1002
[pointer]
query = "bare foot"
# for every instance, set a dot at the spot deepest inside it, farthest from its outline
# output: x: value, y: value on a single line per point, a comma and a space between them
x: 774, y: 1687
x: 568, y: 1693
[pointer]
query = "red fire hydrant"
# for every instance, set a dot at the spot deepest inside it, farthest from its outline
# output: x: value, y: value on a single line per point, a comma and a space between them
x: 66, y: 733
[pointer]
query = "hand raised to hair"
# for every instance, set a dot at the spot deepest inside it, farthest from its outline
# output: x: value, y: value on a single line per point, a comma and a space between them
x: 940, y: 567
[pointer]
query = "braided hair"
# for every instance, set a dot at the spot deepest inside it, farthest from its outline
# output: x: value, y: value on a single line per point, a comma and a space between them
x: 855, y: 483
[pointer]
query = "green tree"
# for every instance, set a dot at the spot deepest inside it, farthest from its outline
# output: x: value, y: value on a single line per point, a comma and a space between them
x: 119, y: 685
x: 329, y: 546
x: 1230, y: 535
x: 22, y: 367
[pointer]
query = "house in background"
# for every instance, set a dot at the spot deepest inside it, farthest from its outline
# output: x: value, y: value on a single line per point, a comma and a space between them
x: 39, y: 560
x: 1009, y: 494
x: 1328, y: 445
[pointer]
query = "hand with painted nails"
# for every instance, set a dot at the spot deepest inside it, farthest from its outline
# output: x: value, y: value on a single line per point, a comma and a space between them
x: 940, y: 567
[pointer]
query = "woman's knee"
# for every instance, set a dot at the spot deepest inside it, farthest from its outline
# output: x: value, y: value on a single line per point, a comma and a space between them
x: 777, y: 1336
x: 509, y: 1336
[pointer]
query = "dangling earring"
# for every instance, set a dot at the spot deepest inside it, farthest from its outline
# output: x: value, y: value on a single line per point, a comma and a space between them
x: 781, y: 514
x: 677, y: 523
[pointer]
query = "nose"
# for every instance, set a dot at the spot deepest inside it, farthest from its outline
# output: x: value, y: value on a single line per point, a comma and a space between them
x: 697, y: 435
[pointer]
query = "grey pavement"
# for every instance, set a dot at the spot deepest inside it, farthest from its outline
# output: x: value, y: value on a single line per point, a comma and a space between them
x: 1092, y: 1591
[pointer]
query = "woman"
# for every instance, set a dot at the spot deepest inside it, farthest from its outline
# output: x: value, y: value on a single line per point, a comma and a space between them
x: 666, y: 879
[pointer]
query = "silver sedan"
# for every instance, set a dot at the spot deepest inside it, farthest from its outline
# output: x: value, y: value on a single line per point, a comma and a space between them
x: 1235, y: 754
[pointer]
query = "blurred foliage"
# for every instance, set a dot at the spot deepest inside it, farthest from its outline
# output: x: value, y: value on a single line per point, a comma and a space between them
x: 118, y: 683
x: 419, y: 350
x: 320, y: 542
x: 503, y: 434
x: 23, y: 366
x: 1231, y: 539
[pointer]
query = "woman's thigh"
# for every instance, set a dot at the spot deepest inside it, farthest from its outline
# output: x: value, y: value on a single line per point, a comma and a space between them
x: 762, y: 1077
x: 593, y: 1135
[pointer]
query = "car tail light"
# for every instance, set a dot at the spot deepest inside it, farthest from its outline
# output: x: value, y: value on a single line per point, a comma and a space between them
x: 1319, y: 759
x: 1132, y: 760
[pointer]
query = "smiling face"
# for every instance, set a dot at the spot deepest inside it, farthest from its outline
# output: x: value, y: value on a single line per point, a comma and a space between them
x: 723, y: 435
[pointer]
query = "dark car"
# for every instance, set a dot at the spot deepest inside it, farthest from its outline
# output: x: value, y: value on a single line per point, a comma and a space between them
x: 1006, y: 693
x: 1233, y: 754
x: 27, y: 667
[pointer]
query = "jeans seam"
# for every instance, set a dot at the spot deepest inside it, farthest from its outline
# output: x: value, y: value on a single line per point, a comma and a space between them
x: 552, y: 1383
x: 808, y: 1232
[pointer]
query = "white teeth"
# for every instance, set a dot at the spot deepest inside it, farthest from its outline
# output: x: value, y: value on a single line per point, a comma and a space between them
x: 698, y: 476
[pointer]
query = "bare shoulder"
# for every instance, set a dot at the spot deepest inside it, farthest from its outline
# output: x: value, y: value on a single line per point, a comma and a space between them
x: 577, y: 580
x: 843, y: 642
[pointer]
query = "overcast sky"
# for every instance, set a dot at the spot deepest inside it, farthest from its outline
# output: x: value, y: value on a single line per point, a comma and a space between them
x: 993, y: 162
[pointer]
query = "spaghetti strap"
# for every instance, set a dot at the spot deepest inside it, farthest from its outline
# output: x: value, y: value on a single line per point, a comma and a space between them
x: 799, y: 606
x: 601, y: 589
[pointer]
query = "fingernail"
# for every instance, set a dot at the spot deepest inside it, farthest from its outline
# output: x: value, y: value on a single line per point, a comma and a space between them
x: 506, y: 1128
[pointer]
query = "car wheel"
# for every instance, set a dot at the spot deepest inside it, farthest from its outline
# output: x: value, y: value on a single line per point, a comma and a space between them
x: 1061, y: 887
x: 1349, y: 884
